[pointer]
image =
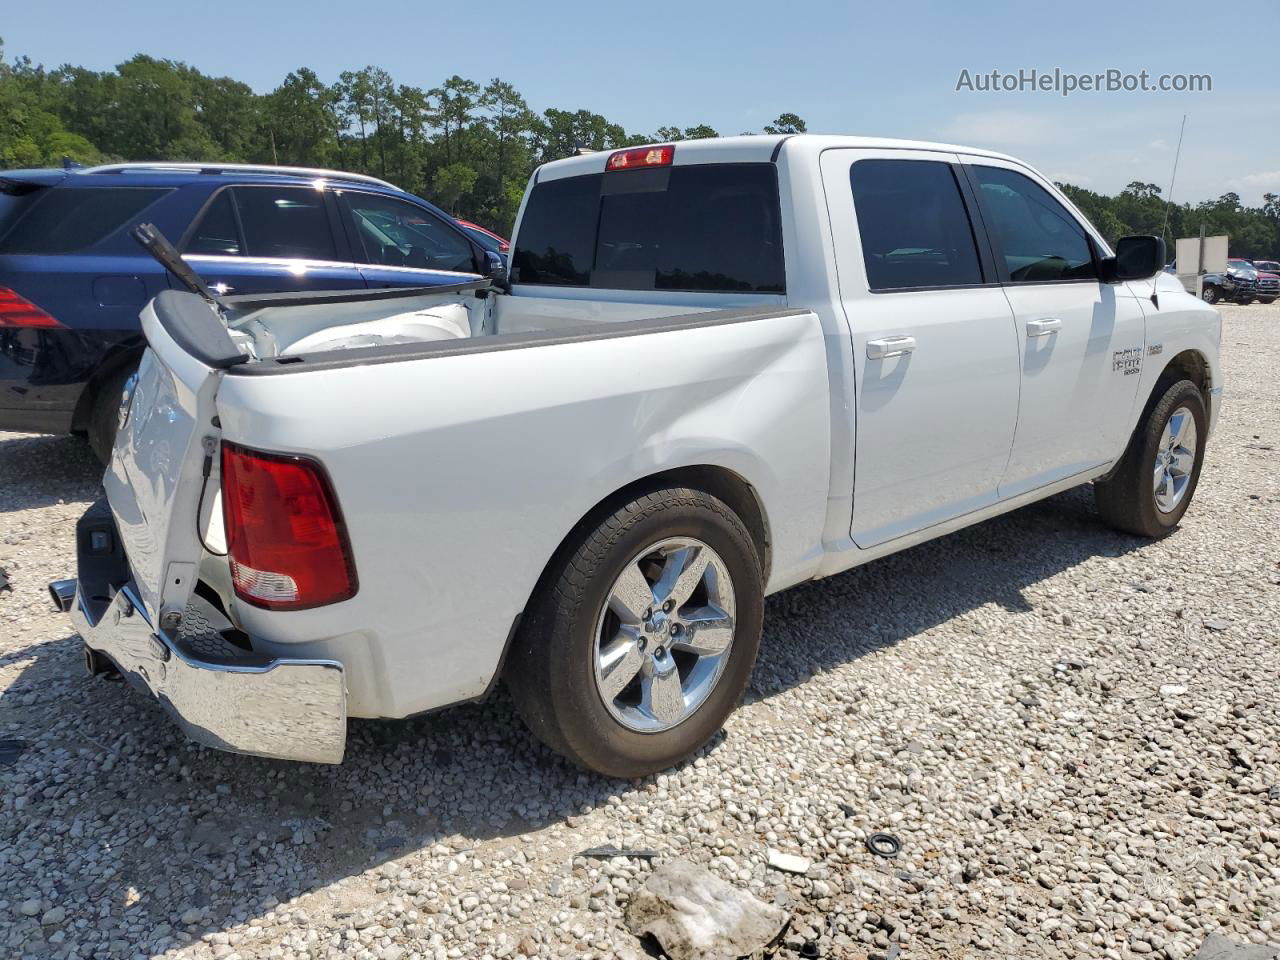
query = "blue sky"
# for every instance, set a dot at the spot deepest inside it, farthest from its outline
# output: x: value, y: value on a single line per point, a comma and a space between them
x: 875, y: 69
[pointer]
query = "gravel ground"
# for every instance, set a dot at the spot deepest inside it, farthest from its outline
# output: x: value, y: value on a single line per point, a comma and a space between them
x: 1073, y: 733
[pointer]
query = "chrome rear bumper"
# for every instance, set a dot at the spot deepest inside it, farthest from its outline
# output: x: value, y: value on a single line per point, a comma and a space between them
x: 290, y: 709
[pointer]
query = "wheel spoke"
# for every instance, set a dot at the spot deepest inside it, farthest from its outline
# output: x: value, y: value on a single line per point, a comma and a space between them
x: 681, y: 575
x: 661, y: 695
x: 708, y: 632
x: 620, y: 661
x: 631, y: 596
x: 1178, y: 424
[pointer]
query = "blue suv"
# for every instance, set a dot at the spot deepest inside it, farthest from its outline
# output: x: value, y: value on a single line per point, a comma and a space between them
x: 72, y: 280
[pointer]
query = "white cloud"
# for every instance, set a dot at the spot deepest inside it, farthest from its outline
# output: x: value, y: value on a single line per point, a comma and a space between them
x: 1067, y: 176
x: 1267, y: 181
x: 1005, y: 128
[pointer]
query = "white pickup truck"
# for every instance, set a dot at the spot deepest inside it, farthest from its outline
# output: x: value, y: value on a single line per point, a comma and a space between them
x: 720, y: 368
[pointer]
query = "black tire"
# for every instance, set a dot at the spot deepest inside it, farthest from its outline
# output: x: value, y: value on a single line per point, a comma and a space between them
x: 1210, y: 294
x: 1127, y: 500
x: 551, y: 668
x: 1267, y: 300
x: 105, y: 414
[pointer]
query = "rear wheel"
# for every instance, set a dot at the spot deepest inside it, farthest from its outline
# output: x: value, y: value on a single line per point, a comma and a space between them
x: 642, y: 637
x: 1156, y: 479
x: 104, y: 418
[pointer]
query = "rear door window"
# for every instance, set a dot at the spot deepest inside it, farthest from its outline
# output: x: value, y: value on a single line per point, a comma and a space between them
x: 912, y: 222
x: 705, y: 227
x: 72, y: 218
x: 217, y: 232
x: 288, y: 222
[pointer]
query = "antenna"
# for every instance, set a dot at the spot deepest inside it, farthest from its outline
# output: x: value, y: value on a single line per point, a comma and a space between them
x: 1168, y: 201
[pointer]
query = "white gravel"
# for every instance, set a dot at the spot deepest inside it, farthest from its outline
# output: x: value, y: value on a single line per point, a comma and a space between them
x: 1073, y: 733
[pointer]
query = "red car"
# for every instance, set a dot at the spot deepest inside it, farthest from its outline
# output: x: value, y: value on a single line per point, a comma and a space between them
x: 486, y: 238
x: 1268, y: 280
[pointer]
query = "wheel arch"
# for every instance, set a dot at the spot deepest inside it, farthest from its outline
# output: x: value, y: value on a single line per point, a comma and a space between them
x: 720, y: 482
x: 129, y: 354
x: 1190, y: 365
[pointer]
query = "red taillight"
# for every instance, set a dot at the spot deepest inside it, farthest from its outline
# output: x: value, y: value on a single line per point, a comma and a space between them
x: 641, y: 157
x: 17, y: 311
x: 286, y: 540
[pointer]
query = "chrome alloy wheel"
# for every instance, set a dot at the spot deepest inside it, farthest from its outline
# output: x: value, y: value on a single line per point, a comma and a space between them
x: 1175, y: 459
x: 664, y: 635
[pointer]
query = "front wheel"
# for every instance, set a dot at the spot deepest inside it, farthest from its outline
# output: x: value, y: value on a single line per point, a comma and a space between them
x: 1267, y: 301
x: 1156, y: 479
x: 642, y: 636
x: 1210, y: 295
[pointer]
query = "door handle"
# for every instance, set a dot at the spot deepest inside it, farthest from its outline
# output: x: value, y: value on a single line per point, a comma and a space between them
x: 1042, y: 328
x: 887, y: 347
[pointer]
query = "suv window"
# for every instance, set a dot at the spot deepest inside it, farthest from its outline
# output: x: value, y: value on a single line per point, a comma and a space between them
x: 913, y: 225
x: 286, y: 222
x: 393, y: 233
x: 1039, y: 240
x: 705, y: 227
x: 216, y: 233
x: 62, y: 221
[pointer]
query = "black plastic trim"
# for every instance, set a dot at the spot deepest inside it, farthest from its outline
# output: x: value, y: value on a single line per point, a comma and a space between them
x: 303, y: 298
x: 941, y: 286
x: 335, y: 359
x: 777, y: 148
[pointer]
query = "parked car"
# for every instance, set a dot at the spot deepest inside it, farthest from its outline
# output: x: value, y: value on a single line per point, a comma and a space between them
x: 1268, y: 279
x: 1238, y: 283
x: 588, y: 482
x: 72, y: 282
x: 486, y: 238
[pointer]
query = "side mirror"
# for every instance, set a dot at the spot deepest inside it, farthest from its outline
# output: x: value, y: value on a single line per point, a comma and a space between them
x: 1137, y: 258
x: 497, y: 270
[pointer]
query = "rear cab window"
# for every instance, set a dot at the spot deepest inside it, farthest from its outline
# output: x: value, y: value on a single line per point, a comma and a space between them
x: 64, y: 220
x: 702, y: 227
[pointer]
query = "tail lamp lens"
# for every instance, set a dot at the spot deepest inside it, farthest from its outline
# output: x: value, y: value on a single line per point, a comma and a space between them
x: 286, y: 541
x: 18, y: 311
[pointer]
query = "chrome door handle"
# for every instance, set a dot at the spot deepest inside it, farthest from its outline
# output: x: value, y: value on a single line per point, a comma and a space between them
x: 887, y: 347
x: 1042, y: 328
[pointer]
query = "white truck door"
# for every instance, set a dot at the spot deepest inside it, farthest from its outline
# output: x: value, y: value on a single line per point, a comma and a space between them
x: 1081, y: 341
x: 935, y: 351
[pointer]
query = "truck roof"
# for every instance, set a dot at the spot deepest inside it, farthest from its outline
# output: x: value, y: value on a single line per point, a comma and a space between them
x: 759, y: 148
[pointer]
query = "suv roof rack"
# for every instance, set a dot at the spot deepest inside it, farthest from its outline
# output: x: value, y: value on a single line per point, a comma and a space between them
x: 161, y: 166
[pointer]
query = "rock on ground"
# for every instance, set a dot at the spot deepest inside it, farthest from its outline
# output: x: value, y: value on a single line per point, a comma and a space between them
x: 694, y: 915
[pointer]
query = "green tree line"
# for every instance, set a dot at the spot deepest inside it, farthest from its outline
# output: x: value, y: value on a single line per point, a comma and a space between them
x: 468, y: 146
